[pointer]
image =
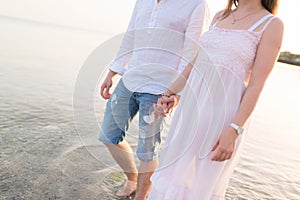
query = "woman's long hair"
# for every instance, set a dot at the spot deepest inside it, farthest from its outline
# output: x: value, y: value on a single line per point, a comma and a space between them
x: 270, y: 5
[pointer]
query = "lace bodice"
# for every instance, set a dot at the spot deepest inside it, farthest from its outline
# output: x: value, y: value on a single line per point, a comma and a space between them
x: 233, y: 49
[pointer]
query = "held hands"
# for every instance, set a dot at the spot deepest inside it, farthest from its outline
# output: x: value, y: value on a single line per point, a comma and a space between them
x: 225, y: 145
x: 165, y: 104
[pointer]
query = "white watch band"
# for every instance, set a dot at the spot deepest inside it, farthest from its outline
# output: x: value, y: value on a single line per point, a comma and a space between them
x: 237, y: 128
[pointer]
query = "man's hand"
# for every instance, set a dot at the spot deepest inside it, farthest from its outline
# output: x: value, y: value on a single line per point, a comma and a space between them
x: 165, y: 104
x: 160, y: 108
x: 170, y: 101
x: 106, y: 85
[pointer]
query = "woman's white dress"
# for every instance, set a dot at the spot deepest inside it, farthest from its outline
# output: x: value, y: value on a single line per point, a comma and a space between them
x: 208, y: 105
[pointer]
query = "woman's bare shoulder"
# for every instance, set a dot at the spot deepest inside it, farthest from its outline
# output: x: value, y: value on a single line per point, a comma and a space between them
x: 217, y: 16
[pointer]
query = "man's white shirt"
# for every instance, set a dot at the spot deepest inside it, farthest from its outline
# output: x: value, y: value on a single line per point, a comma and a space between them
x: 160, y: 41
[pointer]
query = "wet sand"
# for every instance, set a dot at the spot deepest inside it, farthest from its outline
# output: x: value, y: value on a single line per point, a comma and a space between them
x: 44, y: 164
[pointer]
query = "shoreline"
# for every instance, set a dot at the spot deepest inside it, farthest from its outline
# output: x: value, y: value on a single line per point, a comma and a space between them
x: 289, y: 58
x: 291, y: 62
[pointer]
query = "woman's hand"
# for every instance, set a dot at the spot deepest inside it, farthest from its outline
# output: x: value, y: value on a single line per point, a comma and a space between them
x: 225, y: 145
x: 165, y: 104
x: 160, y: 108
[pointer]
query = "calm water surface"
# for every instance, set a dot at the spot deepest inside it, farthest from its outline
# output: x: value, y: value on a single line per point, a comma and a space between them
x: 39, y: 66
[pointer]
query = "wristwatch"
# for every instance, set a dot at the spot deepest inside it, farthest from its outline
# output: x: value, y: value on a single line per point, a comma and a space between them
x: 239, y: 130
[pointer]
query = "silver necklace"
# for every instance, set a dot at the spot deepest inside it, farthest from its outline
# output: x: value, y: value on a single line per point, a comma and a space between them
x: 234, y: 20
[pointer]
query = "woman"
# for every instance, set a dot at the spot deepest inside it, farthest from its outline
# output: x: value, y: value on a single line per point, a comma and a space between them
x: 205, y: 139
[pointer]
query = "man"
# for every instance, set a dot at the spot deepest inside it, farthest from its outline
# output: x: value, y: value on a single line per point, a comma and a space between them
x: 160, y: 41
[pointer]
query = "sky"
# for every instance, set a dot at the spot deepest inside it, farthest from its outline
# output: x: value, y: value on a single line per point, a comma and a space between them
x: 112, y: 16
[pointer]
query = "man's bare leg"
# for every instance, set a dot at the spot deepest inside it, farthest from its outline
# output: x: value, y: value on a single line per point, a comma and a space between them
x: 123, y: 155
x: 146, y: 169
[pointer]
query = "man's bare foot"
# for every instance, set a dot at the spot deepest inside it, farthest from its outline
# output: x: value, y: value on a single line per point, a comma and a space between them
x: 128, y: 188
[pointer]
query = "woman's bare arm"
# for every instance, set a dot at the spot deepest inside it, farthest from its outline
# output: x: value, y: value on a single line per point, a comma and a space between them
x: 266, y: 57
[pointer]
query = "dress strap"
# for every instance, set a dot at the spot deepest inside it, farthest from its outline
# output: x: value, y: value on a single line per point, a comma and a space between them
x: 216, y: 22
x: 218, y: 19
x: 260, y: 22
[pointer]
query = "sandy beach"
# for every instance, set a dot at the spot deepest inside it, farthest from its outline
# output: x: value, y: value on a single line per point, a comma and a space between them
x: 44, y: 156
x: 49, y: 162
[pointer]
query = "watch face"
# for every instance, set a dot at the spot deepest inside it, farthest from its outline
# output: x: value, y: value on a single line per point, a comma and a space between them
x: 240, y: 130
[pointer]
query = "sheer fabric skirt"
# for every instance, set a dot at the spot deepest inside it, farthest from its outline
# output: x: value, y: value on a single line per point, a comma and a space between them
x: 208, y: 105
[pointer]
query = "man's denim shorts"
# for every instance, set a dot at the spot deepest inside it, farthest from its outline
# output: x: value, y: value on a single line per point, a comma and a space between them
x: 122, y: 106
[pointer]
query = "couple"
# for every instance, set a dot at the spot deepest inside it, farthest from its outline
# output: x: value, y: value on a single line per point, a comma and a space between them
x: 219, y: 83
